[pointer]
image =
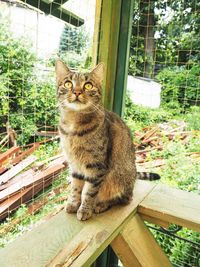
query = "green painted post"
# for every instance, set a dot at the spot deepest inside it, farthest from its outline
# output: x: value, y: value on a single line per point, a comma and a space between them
x: 123, y: 56
x: 114, y: 46
x: 108, y: 46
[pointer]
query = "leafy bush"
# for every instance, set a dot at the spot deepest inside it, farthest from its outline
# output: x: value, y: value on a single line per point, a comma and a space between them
x: 27, y: 98
x: 139, y: 116
x: 178, y: 250
x: 192, y: 117
x: 180, y: 86
x: 16, y: 67
x: 73, y: 47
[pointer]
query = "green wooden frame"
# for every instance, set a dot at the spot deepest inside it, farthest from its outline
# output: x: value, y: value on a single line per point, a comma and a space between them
x: 54, y: 8
x: 113, y: 50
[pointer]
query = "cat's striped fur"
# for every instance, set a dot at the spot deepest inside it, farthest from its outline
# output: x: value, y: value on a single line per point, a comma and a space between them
x: 96, y: 142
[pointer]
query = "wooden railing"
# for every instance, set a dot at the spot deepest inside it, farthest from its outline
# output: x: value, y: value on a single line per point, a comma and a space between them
x: 65, y: 241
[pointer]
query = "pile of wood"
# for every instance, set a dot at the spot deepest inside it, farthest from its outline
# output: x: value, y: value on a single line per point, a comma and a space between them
x: 154, y: 138
x: 20, y: 180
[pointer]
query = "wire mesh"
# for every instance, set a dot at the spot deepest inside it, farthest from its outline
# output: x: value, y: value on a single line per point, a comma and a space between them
x: 164, y: 53
x: 32, y: 35
x: 164, y: 49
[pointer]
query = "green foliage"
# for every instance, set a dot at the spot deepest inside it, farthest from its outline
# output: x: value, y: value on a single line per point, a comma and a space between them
x: 186, y: 252
x: 16, y: 67
x: 180, y: 86
x: 73, y: 39
x: 73, y: 44
x: 139, y: 116
x: 27, y: 98
x: 178, y: 250
x: 175, y: 35
x: 192, y: 117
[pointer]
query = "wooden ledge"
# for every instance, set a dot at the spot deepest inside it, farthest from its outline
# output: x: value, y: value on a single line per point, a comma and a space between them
x: 172, y: 206
x: 63, y: 238
x: 65, y: 241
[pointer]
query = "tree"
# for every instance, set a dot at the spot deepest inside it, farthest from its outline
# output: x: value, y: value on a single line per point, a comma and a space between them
x: 171, y: 29
x: 73, y: 39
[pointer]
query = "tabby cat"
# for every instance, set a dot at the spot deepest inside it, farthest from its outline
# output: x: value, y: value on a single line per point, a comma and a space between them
x: 96, y: 142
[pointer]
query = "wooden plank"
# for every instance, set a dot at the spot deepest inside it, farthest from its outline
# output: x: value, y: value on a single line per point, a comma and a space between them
x: 142, y: 244
x: 20, y: 157
x: 17, y: 178
x: 12, y: 203
x: 4, y: 156
x: 157, y: 221
x: 30, y: 180
x: 56, y: 10
x: 108, y: 47
x: 124, y: 252
x: 52, y: 243
x: 17, y: 169
x: 125, y: 29
x: 173, y: 206
x: 34, y: 251
x: 102, y: 230
x: 25, y: 153
x: 95, y: 46
x: 23, y: 196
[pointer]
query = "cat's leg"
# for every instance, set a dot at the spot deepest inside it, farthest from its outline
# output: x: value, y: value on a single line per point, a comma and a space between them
x: 113, y: 192
x: 88, y: 198
x: 74, y: 200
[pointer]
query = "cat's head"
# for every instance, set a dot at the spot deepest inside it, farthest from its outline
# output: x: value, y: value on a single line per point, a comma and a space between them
x: 78, y: 91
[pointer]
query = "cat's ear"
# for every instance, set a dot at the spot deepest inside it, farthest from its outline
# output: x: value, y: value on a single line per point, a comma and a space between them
x: 61, y: 70
x: 98, y: 72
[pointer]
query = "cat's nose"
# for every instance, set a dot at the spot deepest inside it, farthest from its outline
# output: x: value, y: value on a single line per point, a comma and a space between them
x: 77, y: 93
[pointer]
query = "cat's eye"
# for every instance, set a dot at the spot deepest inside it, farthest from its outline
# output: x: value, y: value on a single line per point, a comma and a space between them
x: 88, y: 86
x: 68, y: 85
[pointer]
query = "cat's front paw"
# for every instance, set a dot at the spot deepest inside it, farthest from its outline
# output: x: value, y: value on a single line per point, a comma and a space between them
x: 101, y: 207
x: 84, y: 214
x: 72, y: 207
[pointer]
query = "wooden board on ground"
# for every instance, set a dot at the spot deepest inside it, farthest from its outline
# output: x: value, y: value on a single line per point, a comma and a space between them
x: 4, y: 156
x: 173, y: 206
x: 38, y: 178
x: 23, y: 196
x: 55, y: 241
x: 17, y: 169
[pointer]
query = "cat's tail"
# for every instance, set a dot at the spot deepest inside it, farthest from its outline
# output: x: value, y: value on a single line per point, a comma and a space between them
x: 150, y: 176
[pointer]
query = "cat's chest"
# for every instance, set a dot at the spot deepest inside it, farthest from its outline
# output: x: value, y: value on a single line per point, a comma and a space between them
x: 74, y: 149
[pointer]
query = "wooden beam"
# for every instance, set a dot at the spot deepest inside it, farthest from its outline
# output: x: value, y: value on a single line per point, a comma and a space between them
x: 34, y: 180
x: 157, y: 221
x: 123, y: 56
x: 17, y: 169
x: 124, y: 252
x: 53, y: 242
x: 111, y: 46
x: 108, y: 46
x: 143, y: 250
x: 173, y: 206
x: 96, y: 36
x: 4, y: 156
x: 55, y: 9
